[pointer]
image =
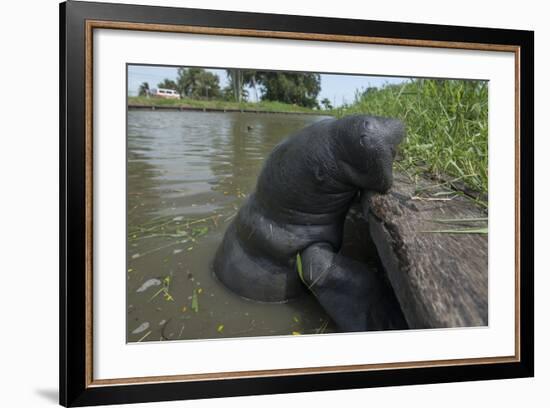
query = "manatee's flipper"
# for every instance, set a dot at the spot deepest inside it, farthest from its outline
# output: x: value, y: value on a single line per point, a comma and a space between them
x: 253, y: 276
x: 355, y: 296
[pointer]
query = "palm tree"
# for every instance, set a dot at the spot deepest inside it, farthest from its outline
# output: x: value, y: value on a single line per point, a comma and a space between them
x: 144, y: 89
x: 236, y: 82
x: 238, y: 79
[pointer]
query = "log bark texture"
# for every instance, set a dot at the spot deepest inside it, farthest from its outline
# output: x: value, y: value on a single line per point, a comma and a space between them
x: 440, y: 279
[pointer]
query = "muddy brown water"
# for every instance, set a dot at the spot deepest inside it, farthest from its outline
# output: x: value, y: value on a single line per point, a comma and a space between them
x: 187, y: 175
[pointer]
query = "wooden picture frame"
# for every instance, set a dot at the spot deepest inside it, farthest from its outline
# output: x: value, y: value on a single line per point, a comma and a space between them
x: 78, y: 20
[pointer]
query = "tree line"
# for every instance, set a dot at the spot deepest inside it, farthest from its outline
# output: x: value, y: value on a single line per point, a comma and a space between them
x: 300, y: 89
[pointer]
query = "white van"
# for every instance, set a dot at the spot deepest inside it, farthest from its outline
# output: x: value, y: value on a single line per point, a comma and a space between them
x: 165, y: 93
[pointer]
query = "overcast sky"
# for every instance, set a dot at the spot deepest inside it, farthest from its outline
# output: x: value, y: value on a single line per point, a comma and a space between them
x: 337, y: 88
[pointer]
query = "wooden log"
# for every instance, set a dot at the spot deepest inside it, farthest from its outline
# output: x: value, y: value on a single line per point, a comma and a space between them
x: 440, y: 279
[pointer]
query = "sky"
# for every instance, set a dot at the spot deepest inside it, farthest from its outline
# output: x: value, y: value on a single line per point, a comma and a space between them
x: 339, y: 89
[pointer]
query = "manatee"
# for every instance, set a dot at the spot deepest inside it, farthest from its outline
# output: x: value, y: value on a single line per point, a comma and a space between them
x: 303, y: 193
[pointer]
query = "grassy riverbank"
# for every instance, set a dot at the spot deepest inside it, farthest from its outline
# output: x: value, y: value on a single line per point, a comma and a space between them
x: 447, y: 126
x: 262, y: 106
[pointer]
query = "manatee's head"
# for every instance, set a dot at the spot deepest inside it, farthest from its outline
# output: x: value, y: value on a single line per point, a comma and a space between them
x: 366, y: 147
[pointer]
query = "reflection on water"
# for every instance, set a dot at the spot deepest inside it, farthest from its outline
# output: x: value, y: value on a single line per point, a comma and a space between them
x: 188, y: 173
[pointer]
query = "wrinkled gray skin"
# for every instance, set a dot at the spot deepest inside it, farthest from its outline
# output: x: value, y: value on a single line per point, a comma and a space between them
x: 303, y: 194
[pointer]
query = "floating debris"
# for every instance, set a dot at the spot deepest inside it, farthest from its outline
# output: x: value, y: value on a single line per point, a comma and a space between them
x: 149, y: 283
x: 199, y: 231
x: 141, y: 328
x: 164, y: 290
x: 322, y: 328
x: 220, y: 328
x: 195, y: 301
x: 144, y: 337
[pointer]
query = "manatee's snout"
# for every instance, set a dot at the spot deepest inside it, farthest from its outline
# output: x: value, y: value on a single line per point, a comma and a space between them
x: 368, y: 150
x: 389, y: 130
x: 395, y: 131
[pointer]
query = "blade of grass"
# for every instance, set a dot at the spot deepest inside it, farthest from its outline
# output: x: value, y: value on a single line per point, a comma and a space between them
x: 195, y: 301
x: 460, y: 231
x: 453, y: 220
x: 299, y: 267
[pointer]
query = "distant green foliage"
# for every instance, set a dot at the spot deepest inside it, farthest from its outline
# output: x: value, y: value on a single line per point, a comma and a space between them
x: 168, y: 84
x: 293, y: 88
x: 447, y: 125
x: 326, y: 104
x: 300, y: 89
x: 198, y: 83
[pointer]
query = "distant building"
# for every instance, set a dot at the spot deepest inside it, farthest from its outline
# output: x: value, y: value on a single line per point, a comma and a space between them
x: 165, y: 93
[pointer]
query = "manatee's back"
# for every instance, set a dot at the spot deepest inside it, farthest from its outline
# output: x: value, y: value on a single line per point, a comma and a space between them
x: 289, y: 180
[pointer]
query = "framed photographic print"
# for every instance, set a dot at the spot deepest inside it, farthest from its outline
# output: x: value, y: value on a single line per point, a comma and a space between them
x: 256, y: 203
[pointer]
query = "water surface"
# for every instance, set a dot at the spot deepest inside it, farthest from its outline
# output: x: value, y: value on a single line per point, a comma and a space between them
x: 188, y: 174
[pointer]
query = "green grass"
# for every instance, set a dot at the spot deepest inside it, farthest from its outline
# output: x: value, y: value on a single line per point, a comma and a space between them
x: 263, y: 106
x: 447, y: 126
